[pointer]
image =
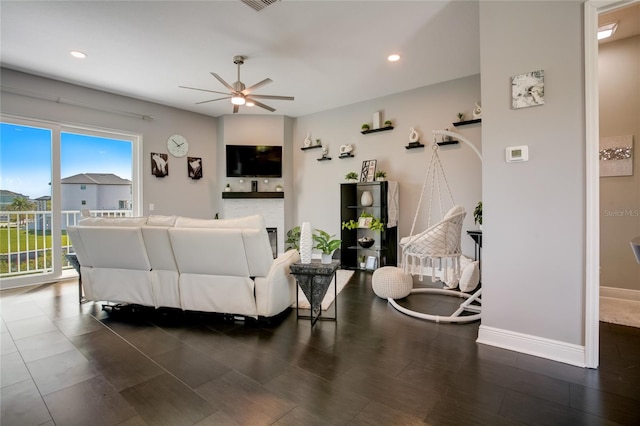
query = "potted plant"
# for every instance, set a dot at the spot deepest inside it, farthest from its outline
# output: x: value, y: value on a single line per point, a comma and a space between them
x: 279, y: 188
x: 351, y: 177
x: 227, y: 188
x: 460, y: 116
x: 388, y: 123
x: 365, y: 127
x: 362, y: 261
x: 477, y: 214
x: 326, y: 244
x: 380, y: 175
x: 293, y: 239
x: 375, y: 224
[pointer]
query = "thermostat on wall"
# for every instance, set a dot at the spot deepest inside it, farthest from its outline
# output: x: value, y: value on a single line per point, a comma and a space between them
x: 517, y: 153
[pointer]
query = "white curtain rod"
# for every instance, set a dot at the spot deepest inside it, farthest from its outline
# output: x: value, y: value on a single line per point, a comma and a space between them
x: 60, y: 100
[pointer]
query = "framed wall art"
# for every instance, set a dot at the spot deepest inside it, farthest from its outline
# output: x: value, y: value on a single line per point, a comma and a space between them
x: 616, y: 156
x: 194, y: 167
x: 159, y: 164
x: 527, y: 90
x: 368, y: 172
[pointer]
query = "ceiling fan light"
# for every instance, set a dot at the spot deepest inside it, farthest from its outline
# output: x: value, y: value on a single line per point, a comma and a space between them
x: 238, y: 100
x: 250, y: 103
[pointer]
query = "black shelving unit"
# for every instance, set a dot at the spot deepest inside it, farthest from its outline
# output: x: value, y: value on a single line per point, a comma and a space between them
x: 385, y: 247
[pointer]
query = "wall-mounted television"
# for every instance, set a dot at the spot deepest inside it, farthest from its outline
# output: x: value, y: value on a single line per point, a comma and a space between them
x: 254, y: 161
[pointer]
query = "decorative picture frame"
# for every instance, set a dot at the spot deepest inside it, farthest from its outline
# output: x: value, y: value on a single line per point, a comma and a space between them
x: 364, y: 222
x: 372, y: 263
x: 616, y: 156
x: 527, y: 89
x: 368, y: 171
x: 194, y: 167
x: 159, y: 164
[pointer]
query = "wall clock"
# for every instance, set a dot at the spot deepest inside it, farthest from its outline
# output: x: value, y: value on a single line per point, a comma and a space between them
x: 177, y: 145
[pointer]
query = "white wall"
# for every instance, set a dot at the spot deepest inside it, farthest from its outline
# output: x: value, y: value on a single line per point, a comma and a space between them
x: 619, y: 75
x: 317, y: 183
x: 534, y: 212
x: 174, y: 194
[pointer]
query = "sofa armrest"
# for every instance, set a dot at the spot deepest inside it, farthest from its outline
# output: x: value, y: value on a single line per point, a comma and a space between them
x: 276, y: 292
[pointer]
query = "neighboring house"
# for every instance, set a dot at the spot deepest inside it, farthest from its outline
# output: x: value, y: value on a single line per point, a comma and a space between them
x: 7, y: 197
x: 43, y: 203
x: 96, y: 191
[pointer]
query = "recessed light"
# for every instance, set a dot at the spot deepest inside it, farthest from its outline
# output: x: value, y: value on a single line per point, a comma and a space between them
x: 78, y: 54
x: 393, y: 58
x: 607, y: 30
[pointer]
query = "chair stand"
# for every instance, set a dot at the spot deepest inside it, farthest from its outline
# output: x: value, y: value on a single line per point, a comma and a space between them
x: 454, y: 317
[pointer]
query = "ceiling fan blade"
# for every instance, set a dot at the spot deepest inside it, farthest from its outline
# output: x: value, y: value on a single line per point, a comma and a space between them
x: 282, y: 98
x: 255, y: 86
x: 260, y: 104
x: 212, y: 100
x: 224, y: 83
x: 236, y: 108
x: 203, y: 90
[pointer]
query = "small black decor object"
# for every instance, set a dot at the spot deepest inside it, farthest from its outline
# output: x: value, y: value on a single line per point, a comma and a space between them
x: 254, y: 186
x: 366, y: 242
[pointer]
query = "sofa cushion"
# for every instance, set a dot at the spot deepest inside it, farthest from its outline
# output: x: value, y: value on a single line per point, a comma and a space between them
x: 112, y: 221
x: 254, y: 221
x: 120, y: 247
x: 159, y: 220
x: 257, y: 251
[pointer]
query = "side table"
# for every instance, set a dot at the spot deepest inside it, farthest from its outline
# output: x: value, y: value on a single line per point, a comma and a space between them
x: 314, y: 279
x: 72, y: 258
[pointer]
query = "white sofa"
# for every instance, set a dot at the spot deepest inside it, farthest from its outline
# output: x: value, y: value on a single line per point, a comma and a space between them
x: 223, y: 266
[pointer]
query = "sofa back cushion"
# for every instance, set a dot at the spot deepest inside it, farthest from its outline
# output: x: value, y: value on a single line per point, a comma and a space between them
x: 258, y: 251
x: 254, y: 221
x: 158, y: 244
x: 209, y: 251
x: 159, y: 220
x: 120, y: 247
x: 112, y: 221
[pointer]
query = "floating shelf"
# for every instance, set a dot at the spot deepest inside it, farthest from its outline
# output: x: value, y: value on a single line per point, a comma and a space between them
x: 254, y: 194
x: 414, y: 145
x: 347, y: 155
x: 464, y: 123
x: 381, y: 129
x: 304, y: 148
x: 324, y: 158
x: 447, y: 143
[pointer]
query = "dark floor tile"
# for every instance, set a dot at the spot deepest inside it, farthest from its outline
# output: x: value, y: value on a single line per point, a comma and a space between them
x: 382, y: 415
x: 31, y: 326
x: 190, y: 365
x: 93, y: 401
x: 61, y: 370
x: 246, y: 401
x: 299, y: 416
x: 163, y: 400
x: 134, y: 421
x: 21, y: 404
x: 606, y: 405
x: 318, y: 396
x: 147, y: 338
x: 43, y: 345
x: 77, y: 325
x: 535, y: 411
x: 456, y: 411
x: 219, y: 418
x: 254, y: 364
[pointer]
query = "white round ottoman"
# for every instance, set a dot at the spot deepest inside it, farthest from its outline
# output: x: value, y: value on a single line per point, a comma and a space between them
x: 391, y: 282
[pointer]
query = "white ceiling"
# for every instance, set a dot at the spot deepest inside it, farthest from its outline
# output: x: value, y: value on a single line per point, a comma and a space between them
x: 324, y: 53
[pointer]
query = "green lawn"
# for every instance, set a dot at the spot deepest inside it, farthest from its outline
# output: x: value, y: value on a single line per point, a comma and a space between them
x: 10, y: 237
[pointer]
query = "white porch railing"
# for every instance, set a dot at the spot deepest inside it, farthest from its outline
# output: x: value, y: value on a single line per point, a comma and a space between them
x: 26, y: 241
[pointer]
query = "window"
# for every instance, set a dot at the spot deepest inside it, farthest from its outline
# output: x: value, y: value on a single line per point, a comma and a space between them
x: 123, y: 205
x: 84, y: 202
x: 83, y: 187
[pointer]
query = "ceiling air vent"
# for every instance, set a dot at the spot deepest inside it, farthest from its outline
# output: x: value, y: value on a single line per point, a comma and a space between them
x: 258, y: 5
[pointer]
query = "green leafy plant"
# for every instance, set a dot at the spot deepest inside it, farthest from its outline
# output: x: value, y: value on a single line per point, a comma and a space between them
x: 477, y: 213
x: 325, y: 242
x: 293, y: 239
x: 461, y: 116
x: 375, y: 225
x: 365, y: 126
x: 380, y: 174
x: 388, y: 123
x: 351, y: 176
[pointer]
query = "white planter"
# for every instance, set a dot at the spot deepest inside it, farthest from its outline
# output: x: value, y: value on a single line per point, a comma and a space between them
x: 326, y: 258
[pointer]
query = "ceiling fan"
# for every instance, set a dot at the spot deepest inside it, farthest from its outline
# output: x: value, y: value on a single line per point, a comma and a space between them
x: 239, y: 93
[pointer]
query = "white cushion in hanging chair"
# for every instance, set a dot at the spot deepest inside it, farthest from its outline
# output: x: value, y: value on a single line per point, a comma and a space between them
x: 439, y: 240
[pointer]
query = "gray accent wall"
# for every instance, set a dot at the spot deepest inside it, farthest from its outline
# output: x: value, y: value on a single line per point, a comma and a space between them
x: 534, y: 212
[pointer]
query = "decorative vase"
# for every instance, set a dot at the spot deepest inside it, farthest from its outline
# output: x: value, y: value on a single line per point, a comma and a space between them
x: 306, y: 243
x: 366, y: 199
x: 326, y: 258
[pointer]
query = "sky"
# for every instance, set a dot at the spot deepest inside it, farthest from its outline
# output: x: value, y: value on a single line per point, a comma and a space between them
x: 25, y: 158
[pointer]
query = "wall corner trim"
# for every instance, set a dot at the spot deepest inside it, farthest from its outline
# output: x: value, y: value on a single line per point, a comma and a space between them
x: 554, y: 350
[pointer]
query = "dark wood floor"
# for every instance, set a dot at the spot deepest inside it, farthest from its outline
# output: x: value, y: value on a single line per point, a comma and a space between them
x: 64, y: 364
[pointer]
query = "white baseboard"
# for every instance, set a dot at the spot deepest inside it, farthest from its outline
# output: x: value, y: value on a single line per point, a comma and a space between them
x: 620, y: 293
x: 533, y: 345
